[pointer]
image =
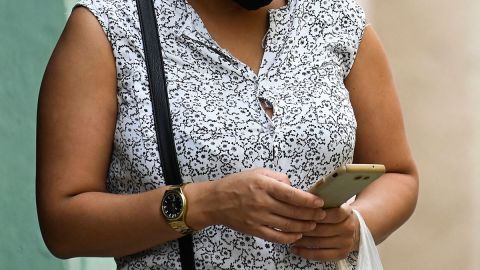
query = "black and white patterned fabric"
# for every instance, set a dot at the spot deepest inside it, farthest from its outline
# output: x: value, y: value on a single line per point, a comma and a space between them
x: 219, y: 125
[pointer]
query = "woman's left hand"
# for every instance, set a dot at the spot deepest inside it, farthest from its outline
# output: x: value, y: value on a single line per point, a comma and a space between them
x: 334, y: 237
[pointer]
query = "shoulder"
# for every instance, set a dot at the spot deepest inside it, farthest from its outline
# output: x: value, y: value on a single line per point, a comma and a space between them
x: 339, y: 14
x: 106, y: 6
x: 350, y: 16
x: 336, y: 25
x: 119, y: 18
x: 108, y: 12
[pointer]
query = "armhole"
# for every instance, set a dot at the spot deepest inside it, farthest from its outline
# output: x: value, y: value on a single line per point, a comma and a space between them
x: 358, y: 30
x: 101, y: 13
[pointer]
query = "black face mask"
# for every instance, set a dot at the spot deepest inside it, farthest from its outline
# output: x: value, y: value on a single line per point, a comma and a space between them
x: 253, y: 4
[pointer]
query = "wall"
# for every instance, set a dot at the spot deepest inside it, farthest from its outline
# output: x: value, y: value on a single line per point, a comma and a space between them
x: 434, y: 48
x: 473, y: 84
x: 29, y: 29
x: 434, y: 51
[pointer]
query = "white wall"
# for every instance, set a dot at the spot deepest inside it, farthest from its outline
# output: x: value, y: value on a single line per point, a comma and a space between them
x: 473, y: 84
x: 434, y: 51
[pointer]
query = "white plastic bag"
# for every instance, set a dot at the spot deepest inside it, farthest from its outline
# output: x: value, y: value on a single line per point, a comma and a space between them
x: 368, y: 258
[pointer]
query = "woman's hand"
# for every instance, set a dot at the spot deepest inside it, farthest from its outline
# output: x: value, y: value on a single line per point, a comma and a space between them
x: 333, y: 238
x: 261, y: 203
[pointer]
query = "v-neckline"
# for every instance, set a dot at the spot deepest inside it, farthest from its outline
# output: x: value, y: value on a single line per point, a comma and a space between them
x: 204, y: 37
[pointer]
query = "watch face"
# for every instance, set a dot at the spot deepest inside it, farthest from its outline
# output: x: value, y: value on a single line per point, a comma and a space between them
x: 172, y: 205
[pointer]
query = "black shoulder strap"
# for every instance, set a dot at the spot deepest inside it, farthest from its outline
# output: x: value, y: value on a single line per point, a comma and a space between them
x: 161, y: 112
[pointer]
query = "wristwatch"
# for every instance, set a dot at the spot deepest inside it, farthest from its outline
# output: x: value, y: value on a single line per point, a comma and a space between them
x: 174, y: 208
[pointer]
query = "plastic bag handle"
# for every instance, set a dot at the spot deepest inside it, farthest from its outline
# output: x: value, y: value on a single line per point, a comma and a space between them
x: 368, y: 257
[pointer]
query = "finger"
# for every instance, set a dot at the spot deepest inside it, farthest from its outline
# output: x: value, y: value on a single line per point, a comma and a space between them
x: 276, y: 236
x: 299, y: 213
x: 290, y: 225
x: 336, y: 242
x: 346, y: 227
x: 280, y: 177
x: 337, y: 215
x: 294, y: 196
x: 321, y: 254
x: 327, y: 230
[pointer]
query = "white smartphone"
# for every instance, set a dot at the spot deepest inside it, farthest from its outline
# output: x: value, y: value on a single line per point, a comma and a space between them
x: 345, y: 182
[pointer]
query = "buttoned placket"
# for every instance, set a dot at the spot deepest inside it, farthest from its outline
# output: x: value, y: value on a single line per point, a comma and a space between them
x: 195, y: 31
x: 272, y: 48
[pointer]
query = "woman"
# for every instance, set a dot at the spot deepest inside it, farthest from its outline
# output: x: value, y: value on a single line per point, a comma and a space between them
x: 265, y: 97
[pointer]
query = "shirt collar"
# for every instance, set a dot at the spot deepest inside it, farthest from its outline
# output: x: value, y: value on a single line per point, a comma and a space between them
x: 192, y: 26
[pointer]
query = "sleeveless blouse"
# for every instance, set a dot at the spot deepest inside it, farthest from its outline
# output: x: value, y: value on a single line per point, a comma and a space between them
x: 219, y: 125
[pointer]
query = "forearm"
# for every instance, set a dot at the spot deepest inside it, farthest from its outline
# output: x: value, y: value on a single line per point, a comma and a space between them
x: 102, y: 224
x: 387, y: 203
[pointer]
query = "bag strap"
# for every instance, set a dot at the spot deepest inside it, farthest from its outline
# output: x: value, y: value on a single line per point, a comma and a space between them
x: 161, y: 112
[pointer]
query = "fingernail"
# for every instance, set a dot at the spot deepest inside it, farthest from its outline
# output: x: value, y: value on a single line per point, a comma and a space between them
x: 323, y: 216
x: 318, y: 203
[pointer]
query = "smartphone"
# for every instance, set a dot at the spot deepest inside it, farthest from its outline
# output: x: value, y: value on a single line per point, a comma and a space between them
x: 345, y: 182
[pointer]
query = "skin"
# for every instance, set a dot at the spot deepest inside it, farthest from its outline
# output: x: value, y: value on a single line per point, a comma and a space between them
x: 78, y: 217
x: 388, y: 202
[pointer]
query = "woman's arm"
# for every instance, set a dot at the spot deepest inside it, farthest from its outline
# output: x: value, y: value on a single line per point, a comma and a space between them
x: 76, y: 121
x: 381, y: 138
x: 388, y: 202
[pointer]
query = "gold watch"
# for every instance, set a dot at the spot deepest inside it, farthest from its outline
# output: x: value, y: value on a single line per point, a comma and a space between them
x: 174, y: 208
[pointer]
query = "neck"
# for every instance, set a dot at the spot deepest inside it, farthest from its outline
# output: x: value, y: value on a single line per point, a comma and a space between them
x: 236, y: 29
x: 231, y: 8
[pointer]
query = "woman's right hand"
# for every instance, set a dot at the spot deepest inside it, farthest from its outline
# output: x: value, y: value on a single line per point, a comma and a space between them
x: 259, y: 202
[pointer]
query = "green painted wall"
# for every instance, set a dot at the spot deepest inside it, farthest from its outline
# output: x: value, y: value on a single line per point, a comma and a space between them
x: 28, y: 32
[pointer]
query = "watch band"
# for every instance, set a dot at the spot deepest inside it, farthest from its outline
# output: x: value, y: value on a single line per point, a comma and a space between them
x: 179, y: 224
x: 181, y: 227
